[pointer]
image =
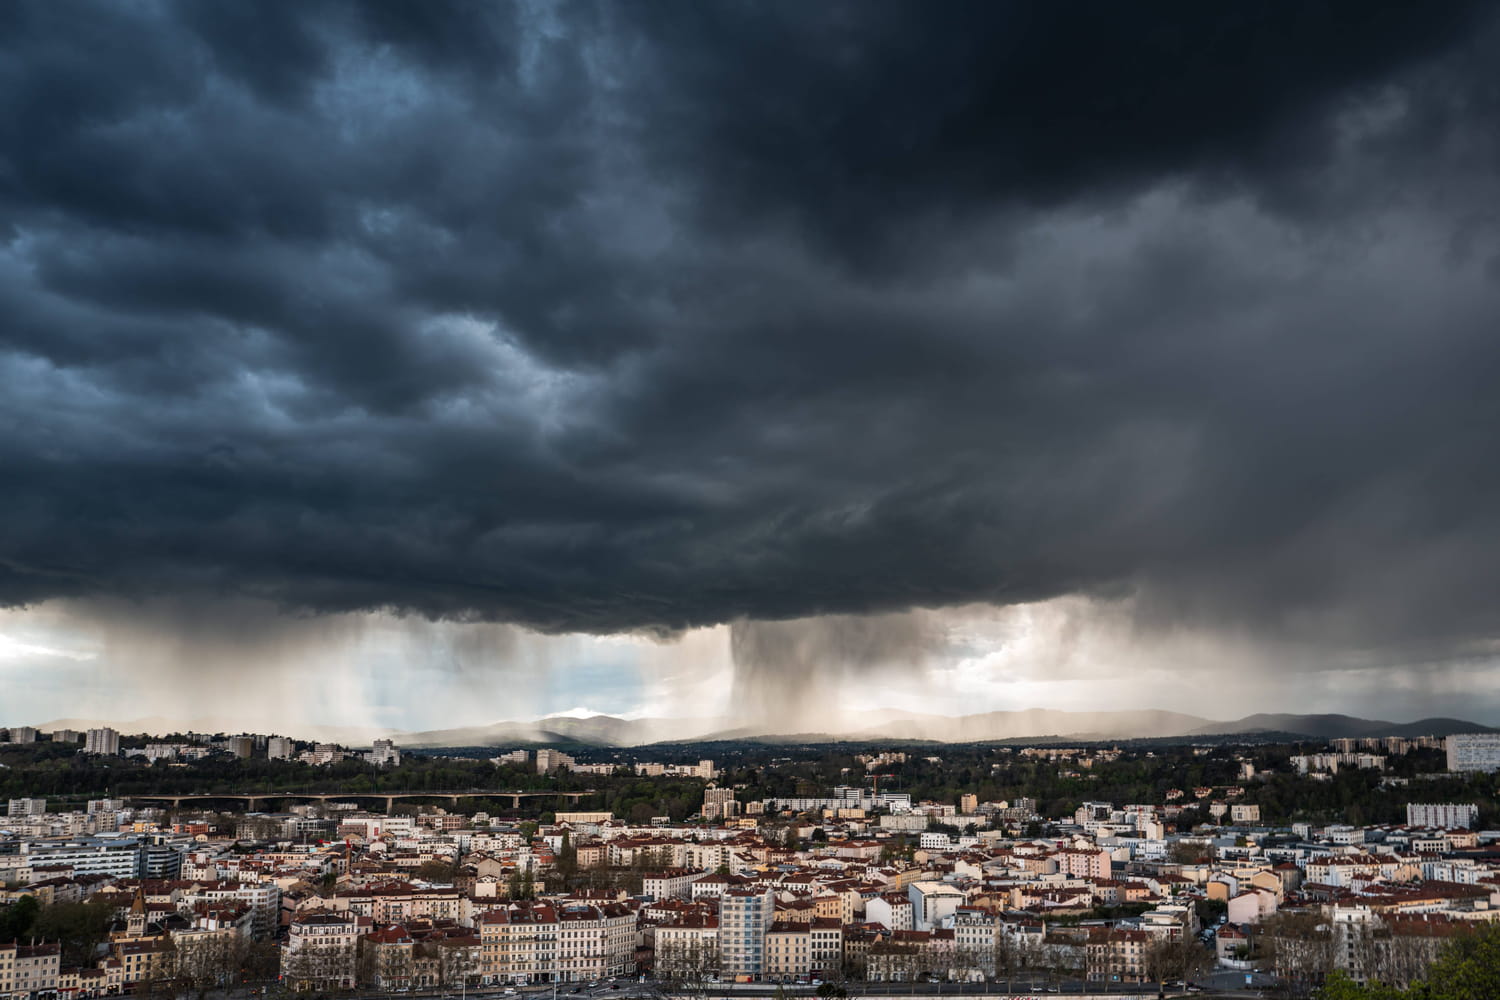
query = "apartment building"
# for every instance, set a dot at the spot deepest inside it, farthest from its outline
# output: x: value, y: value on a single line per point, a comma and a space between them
x: 933, y: 903
x: 745, y: 915
x: 670, y: 884
x: 549, y: 761
x: 1244, y: 813
x: 892, y: 910
x: 788, y: 951
x: 1117, y: 955
x: 594, y: 942
x: 27, y: 969
x: 718, y: 803
x: 120, y: 857
x: 322, y: 951
x: 1442, y: 815
x: 826, y: 941
x: 518, y: 943
x: 1474, y: 752
x: 687, y: 949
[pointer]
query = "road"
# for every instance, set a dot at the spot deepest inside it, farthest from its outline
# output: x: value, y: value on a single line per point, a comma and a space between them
x: 1230, y: 985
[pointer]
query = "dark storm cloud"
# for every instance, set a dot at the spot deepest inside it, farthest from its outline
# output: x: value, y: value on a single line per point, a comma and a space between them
x: 610, y: 317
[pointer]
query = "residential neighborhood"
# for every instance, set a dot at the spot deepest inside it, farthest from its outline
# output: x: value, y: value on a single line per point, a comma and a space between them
x: 842, y: 884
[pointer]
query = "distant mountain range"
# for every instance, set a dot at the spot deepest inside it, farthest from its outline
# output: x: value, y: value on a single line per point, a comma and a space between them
x: 157, y: 725
x: 1036, y: 723
x: 886, y: 724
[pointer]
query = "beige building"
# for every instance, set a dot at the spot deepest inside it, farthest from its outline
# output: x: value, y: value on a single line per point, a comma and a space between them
x: 322, y: 951
x: 719, y: 803
x: 519, y: 944
x: 788, y: 951
x: 1244, y: 813
x: 29, y: 968
x: 574, y: 818
x: 594, y: 942
x: 687, y: 950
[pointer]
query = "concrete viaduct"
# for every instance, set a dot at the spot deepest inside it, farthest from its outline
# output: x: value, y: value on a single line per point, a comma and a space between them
x: 252, y: 801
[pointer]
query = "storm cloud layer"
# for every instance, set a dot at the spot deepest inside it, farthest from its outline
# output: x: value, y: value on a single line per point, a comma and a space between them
x: 614, y: 317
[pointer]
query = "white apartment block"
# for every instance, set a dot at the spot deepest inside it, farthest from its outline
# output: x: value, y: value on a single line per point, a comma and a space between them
x: 27, y: 807
x: 22, y: 734
x: 1443, y: 815
x: 669, y: 884
x: 933, y: 903
x: 892, y: 909
x: 279, y: 748
x: 548, y: 761
x: 322, y: 754
x: 1474, y: 752
x: 120, y: 857
x: 383, y: 752
x: 745, y: 915
x: 522, y: 757
x: 101, y: 741
x: 717, y: 803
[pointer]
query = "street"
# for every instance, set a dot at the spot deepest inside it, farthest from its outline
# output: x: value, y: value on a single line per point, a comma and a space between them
x: 1231, y: 984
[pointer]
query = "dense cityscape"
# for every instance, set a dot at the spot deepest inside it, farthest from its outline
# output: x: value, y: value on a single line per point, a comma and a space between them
x: 833, y: 868
x: 749, y: 499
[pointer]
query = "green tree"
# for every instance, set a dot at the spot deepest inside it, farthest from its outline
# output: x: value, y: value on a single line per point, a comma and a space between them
x: 17, y: 919
x: 1338, y: 986
x: 437, y: 870
x: 1468, y: 967
x: 567, y: 857
x: 78, y: 926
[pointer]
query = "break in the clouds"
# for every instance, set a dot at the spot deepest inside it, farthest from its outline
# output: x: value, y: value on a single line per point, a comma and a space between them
x: 604, y: 318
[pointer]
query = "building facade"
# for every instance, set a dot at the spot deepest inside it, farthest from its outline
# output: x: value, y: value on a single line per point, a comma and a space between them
x: 1474, y: 752
x: 745, y: 915
x: 1443, y: 815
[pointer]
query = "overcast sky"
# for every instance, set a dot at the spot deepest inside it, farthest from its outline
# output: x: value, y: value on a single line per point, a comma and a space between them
x: 406, y: 364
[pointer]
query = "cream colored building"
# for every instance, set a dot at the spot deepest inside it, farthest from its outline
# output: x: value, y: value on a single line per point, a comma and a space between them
x: 788, y: 951
x: 519, y: 944
x: 27, y: 969
x: 595, y: 942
